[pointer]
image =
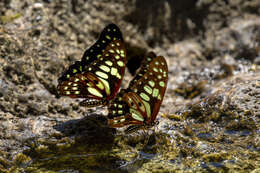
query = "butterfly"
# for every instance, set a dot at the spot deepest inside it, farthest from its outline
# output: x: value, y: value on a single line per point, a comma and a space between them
x: 98, y: 76
x: 138, y: 105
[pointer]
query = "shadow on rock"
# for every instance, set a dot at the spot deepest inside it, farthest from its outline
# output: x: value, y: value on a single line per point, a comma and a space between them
x: 82, y: 146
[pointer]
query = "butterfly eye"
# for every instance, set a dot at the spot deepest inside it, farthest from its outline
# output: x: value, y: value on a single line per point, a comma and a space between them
x: 139, y: 104
x: 95, y: 81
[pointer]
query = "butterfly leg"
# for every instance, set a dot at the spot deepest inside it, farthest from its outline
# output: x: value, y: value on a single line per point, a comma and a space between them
x: 92, y: 103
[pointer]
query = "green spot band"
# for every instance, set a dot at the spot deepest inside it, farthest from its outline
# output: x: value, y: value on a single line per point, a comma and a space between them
x: 109, y: 63
x: 151, y: 83
x: 94, y: 92
x: 155, y: 69
x: 162, y: 84
x: 100, y: 85
x: 111, y: 51
x: 104, y: 68
x: 120, y: 63
x: 148, y: 89
x: 155, y: 92
x: 145, y: 97
x: 136, y: 115
x: 74, y: 88
x: 159, y: 97
x: 101, y: 74
x: 113, y: 71
x: 118, y: 76
x: 107, y: 88
x: 147, y: 108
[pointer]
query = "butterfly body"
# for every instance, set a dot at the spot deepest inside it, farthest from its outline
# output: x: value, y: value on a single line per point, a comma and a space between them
x: 98, y: 76
x: 138, y: 105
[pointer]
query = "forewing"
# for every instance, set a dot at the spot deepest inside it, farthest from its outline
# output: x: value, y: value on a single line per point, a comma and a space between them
x: 110, y: 33
x: 143, y: 68
x: 101, y: 79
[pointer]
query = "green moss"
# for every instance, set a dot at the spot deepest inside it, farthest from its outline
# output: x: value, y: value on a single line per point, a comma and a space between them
x: 216, y: 157
x: 9, y: 18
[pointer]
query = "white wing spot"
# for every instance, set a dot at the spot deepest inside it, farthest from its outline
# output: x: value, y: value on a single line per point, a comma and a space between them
x: 120, y: 63
x: 155, y: 69
x: 111, y: 51
x: 113, y: 71
x: 145, y: 97
x: 104, y: 68
x: 94, y: 92
x: 74, y: 88
x: 117, y: 56
x: 109, y: 63
x: 101, y: 74
x: 162, y: 84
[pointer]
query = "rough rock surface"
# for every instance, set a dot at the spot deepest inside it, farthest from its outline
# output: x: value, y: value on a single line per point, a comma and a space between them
x: 210, y: 117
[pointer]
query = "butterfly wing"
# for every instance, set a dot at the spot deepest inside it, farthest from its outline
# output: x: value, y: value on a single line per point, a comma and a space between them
x: 101, y: 79
x: 110, y: 33
x: 139, y: 104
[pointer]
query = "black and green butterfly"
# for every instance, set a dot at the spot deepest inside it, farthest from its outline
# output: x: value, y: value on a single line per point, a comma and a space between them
x: 138, y: 105
x: 98, y: 76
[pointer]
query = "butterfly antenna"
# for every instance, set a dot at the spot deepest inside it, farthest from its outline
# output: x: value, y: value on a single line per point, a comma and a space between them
x: 46, y: 85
